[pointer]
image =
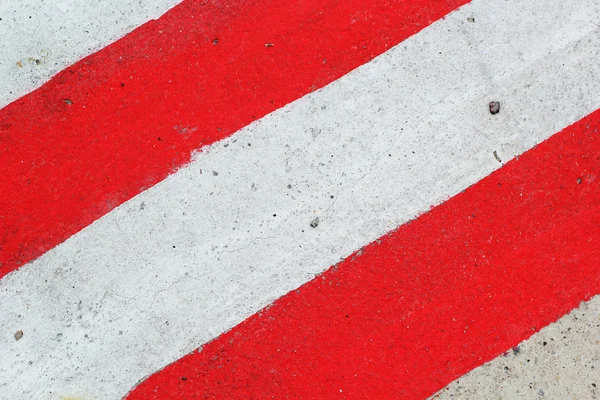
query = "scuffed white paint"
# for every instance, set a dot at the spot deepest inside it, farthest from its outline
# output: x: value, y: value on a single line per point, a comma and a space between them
x: 39, y: 38
x: 220, y: 239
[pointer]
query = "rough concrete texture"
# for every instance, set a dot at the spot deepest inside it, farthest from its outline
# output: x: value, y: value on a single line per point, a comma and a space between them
x: 562, y: 361
x: 39, y: 38
x: 217, y: 241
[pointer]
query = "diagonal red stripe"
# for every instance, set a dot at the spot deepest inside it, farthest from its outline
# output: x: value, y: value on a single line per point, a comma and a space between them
x: 121, y: 120
x: 423, y: 305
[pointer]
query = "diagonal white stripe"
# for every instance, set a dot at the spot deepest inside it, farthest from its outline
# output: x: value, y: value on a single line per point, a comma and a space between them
x: 562, y: 361
x: 39, y: 38
x: 218, y: 240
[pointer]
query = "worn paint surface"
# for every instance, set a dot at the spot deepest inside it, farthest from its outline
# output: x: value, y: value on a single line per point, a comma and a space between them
x: 39, y: 38
x: 201, y: 251
x: 428, y: 302
x: 123, y: 119
x: 562, y: 361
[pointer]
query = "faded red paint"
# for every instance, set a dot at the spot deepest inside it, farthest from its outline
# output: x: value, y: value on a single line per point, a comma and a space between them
x: 406, y: 315
x: 121, y: 120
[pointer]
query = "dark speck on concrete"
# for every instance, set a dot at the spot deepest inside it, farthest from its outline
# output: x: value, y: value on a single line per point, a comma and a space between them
x: 516, y: 350
x: 315, y: 222
x: 216, y: 41
x: 18, y: 335
x: 68, y: 101
x: 494, y: 107
x: 579, y: 180
x: 496, y: 157
x: 215, y: 173
x: 471, y: 19
x: 289, y: 186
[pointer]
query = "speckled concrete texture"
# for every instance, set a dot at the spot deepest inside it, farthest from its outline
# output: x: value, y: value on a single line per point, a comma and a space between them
x: 39, y: 38
x: 218, y: 240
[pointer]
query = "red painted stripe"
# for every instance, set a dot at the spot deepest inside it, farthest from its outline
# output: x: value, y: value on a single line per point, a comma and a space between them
x: 430, y: 301
x: 121, y: 120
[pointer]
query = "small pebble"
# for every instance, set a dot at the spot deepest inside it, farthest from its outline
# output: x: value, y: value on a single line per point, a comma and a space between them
x: 495, y: 107
x: 315, y: 222
x: 18, y: 335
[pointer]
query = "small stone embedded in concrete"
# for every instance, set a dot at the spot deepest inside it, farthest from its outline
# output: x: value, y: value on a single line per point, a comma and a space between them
x: 471, y: 19
x: 18, y: 335
x: 496, y: 157
x: 579, y: 180
x: 315, y: 222
x: 494, y: 107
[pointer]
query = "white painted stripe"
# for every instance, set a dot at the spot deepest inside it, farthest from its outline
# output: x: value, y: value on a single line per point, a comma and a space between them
x: 562, y: 361
x: 212, y: 244
x: 46, y: 36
